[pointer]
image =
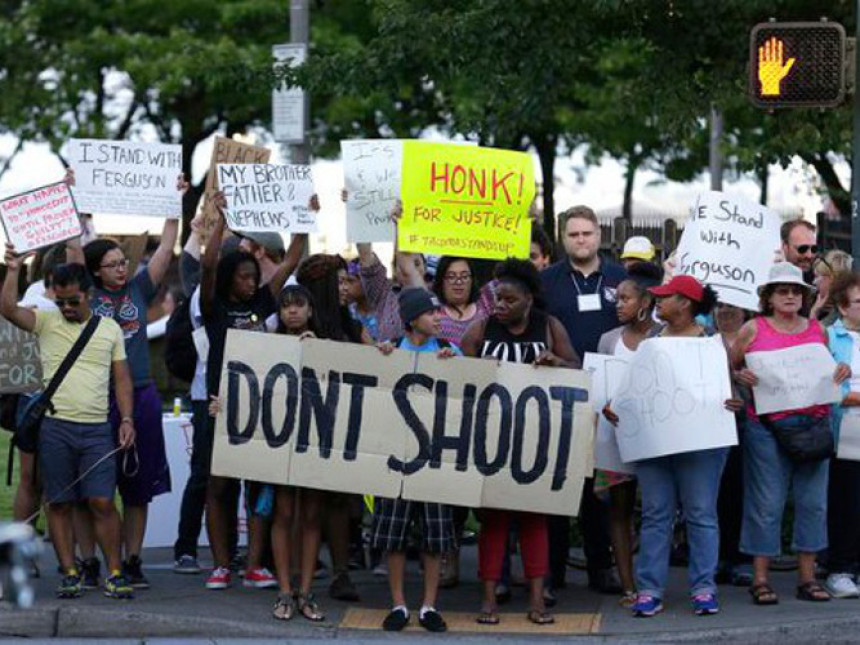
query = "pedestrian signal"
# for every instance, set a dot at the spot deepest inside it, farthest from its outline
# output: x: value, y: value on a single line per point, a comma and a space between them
x: 797, y: 64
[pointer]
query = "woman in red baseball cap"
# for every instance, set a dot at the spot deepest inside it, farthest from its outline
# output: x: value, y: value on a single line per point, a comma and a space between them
x: 691, y: 478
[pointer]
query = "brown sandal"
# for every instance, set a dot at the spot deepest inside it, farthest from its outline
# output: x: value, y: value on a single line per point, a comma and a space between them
x: 487, y: 618
x: 309, y: 608
x: 763, y: 594
x: 285, y: 608
x: 812, y: 591
x: 540, y: 617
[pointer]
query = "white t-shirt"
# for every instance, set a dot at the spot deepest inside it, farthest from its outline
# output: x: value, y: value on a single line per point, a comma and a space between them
x: 34, y: 297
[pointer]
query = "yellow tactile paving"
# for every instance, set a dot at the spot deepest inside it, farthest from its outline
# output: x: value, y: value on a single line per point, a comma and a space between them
x: 464, y: 622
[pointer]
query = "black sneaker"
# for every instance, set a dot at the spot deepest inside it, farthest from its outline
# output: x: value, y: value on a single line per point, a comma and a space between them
x: 342, y: 588
x: 70, y: 586
x: 396, y: 620
x: 132, y: 571
x: 90, y: 570
x: 432, y: 621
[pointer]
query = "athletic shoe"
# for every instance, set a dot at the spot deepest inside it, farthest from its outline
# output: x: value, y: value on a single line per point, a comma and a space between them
x: 90, y: 570
x: 186, y: 564
x: 260, y: 578
x: 70, y: 586
x: 840, y: 585
x: 132, y: 570
x: 380, y: 570
x: 705, y: 604
x: 432, y: 620
x: 116, y: 586
x: 396, y: 620
x: 646, y: 606
x: 218, y: 579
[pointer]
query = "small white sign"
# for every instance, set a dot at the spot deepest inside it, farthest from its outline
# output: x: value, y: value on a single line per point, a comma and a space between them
x: 40, y: 217
x: 607, y: 373
x: 793, y: 378
x: 288, y: 104
x: 371, y: 174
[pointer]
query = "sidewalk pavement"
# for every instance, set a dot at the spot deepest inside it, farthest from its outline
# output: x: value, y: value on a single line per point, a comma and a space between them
x: 179, y: 608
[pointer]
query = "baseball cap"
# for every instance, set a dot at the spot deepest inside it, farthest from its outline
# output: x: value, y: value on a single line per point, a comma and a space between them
x: 415, y: 301
x: 272, y: 242
x: 682, y: 285
x: 638, y: 248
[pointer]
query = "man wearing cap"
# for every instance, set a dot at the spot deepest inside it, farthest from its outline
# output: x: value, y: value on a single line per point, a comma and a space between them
x: 580, y: 292
x: 421, y: 315
x: 637, y: 249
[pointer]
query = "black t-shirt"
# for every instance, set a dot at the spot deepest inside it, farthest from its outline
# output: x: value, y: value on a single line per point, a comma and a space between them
x: 501, y: 344
x: 250, y: 315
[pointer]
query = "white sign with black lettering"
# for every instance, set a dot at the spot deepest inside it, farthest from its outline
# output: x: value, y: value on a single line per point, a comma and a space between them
x: 268, y: 197
x: 729, y: 243
x: 607, y: 373
x: 371, y: 176
x: 672, y: 399
x: 289, y: 104
x: 126, y: 177
x: 793, y: 378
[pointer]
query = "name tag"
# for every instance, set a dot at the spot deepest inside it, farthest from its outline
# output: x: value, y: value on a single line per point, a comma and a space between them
x: 588, y: 302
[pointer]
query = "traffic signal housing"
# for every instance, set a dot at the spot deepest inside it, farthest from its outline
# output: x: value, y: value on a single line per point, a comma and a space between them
x: 797, y: 64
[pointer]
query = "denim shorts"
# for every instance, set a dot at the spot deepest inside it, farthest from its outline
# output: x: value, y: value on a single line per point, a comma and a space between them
x: 768, y: 476
x: 67, y: 450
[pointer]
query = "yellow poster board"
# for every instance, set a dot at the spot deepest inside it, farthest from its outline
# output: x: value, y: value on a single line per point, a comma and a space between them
x: 466, y: 201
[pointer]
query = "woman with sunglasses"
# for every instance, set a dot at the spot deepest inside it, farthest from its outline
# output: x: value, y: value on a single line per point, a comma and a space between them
x: 768, y: 470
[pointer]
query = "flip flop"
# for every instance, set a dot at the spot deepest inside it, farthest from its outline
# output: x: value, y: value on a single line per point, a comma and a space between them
x: 540, y: 617
x: 487, y: 618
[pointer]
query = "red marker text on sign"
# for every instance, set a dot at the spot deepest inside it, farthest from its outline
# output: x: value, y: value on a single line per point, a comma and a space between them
x: 475, y: 186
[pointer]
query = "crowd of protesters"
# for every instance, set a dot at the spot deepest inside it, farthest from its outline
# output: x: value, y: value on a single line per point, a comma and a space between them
x: 108, y: 435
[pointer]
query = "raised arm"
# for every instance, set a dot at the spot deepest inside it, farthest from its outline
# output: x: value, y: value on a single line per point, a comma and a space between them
x: 19, y: 316
x: 209, y: 263
x: 160, y: 261
x: 189, y: 260
x: 408, y: 265
x: 293, y: 255
x: 74, y: 247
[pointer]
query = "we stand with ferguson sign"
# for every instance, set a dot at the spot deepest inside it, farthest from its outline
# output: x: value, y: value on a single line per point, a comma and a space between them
x: 472, y: 432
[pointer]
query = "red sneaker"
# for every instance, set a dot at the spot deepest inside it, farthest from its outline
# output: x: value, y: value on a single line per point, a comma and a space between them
x: 260, y: 578
x: 218, y: 579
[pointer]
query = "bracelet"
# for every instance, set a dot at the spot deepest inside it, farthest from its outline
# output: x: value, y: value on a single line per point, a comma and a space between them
x: 127, y: 420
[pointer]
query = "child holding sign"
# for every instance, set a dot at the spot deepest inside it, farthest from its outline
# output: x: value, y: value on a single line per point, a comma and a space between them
x: 421, y: 314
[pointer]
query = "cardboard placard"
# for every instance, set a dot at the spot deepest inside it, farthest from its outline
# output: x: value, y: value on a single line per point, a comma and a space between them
x: 672, y: 399
x: 225, y: 151
x: 41, y: 217
x: 607, y: 373
x: 268, y: 197
x: 20, y: 367
x: 467, y: 201
x: 344, y: 417
x: 126, y: 177
x: 729, y: 243
x: 793, y: 378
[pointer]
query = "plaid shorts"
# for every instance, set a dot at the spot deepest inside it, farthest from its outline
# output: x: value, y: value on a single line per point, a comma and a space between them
x: 392, y: 518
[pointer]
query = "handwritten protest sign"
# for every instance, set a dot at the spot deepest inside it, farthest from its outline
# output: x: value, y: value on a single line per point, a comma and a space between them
x: 467, y: 201
x: 371, y: 174
x: 267, y: 197
x: 672, y: 399
x: 226, y: 151
x: 607, y: 373
x: 729, y: 243
x: 20, y: 367
x: 40, y: 217
x: 126, y: 177
x: 307, y: 413
x: 793, y: 378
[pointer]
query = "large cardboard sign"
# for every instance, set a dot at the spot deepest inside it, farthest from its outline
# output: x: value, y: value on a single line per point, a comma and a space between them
x: 371, y: 174
x: 226, y: 151
x: 793, y: 378
x: 672, y: 399
x: 268, y: 197
x: 40, y: 217
x: 729, y: 243
x: 20, y: 367
x: 344, y: 417
x: 126, y: 177
x: 607, y: 373
x: 467, y: 201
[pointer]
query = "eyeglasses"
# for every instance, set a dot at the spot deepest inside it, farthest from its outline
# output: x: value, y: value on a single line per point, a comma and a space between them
x: 791, y: 289
x: 64, y: 302
x: 458, y: 278
x: 118, y: 264
x: 803, y: 249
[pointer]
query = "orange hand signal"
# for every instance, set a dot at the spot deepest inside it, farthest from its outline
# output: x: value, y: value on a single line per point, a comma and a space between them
x: 771, y: 69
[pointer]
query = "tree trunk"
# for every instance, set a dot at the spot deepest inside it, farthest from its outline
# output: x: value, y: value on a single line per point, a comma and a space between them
x: 841, y: 198
x: 633, y: 162
x: 763, y: 178
x: 546, y: 149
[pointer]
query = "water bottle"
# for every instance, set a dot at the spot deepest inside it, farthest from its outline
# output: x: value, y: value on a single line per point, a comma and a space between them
x: 177, y: 406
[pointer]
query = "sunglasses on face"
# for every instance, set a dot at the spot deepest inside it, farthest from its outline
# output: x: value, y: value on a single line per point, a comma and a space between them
x: 67, y: 302
x: 789, y: 290
x: 803, y: 249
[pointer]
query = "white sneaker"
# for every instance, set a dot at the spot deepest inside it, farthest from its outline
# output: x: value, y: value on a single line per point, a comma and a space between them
x: 841, y: 585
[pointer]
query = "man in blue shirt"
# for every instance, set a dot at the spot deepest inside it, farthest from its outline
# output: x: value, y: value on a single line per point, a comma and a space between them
x: 580, y: 291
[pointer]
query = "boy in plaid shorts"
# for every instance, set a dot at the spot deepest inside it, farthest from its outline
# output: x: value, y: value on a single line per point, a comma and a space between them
x: 392, y: 518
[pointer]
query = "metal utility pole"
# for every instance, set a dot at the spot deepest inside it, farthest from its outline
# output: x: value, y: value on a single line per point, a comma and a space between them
x: 715, y: 156
x: 300, y: 34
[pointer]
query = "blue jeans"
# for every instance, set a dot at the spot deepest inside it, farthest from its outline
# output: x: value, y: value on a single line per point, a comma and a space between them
x: 768, y: 474
x: 693, y: 479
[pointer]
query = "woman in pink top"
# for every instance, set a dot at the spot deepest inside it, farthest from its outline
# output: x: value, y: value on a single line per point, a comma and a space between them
x: 768, y: 470
x: 462, y: 302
